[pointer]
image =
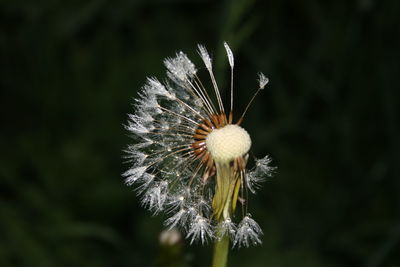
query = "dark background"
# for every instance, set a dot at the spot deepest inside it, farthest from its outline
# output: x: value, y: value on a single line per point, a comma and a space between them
x: 329, y: 118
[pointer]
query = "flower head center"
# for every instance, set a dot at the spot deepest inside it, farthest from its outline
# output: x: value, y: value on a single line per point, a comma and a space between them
x: 228, y: 143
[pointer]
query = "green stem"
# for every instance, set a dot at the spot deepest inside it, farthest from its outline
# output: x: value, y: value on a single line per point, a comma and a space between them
x: 224, y: 204
x: 221, y: 249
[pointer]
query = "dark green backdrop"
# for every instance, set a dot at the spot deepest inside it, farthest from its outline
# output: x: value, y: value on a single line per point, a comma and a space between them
x: 329, y: 119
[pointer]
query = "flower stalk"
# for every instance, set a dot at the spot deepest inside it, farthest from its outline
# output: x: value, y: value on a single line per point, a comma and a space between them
x: 224, y: 205
x: 221, y: 250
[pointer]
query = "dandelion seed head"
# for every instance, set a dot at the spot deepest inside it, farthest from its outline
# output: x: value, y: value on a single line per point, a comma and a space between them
x: 190, y: 157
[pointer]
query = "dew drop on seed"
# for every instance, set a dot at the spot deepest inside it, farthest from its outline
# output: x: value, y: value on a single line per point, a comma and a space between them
x: 198, y: 102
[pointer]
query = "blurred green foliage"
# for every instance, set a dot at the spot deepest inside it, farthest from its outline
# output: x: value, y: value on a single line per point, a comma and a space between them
x: 329, y: 118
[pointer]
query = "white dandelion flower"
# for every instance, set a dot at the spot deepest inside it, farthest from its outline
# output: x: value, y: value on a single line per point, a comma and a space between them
x: 190, y: 157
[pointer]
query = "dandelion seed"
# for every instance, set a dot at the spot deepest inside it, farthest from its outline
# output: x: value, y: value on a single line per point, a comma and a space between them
x: 248, y: 233
x: 180, y: 66
x: 190, y: 157
x: 154, y: 198
x: 259, y: 173
x: 177, y: 219
x: 200, y: 230
x: 226, y: 227
x: 132, y: 175
x: 229, y: 54
x: 205, y: 57
x: 144, y: 182
x: 262, y: 166
x: 262, y: 80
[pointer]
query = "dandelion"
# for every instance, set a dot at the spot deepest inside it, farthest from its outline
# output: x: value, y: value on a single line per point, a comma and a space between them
x: 190, y: 157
